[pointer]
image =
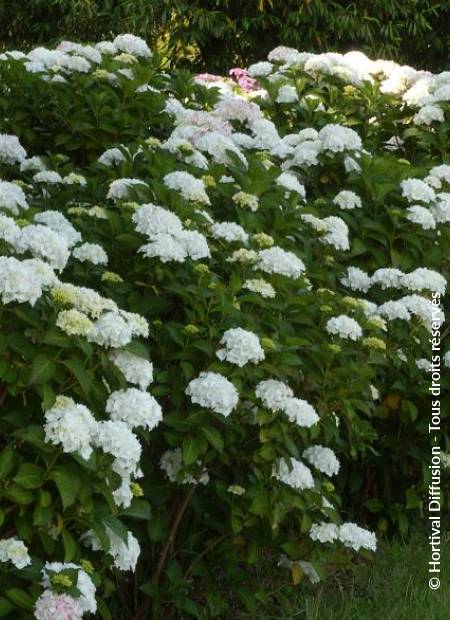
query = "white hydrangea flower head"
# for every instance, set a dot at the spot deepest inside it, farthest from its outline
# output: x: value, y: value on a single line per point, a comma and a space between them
x: 152, y: 220
x: 70, y: 425
x: 416, y: 190
x: 118, y: 189
x: 24, y: 281
x: 429, y: 114
x: 135, y: 369
x: 111, y: 157
x: 91, y: 253
x: 12, y: 197
x: 191, y: 188
x: 11, y: 151
x: 355, y: 537
x: 241, y: 347
x: 387, y: 277
x: 423, y: 279
x: 125, y: 554
x: 229, y: 231
x: 48, y: 176
x: 194, y: 244
x: 336, y: 139
x: 14, y: 550
x: 278, y: 261
x: 357, y: 279
x: 421, y: 216
x: 130, y: 44
x: 33, y: 164
x: 300, y: 412
x: 287, y: 94
x: 134, y: 407
x: 446, y: 359
x: 324, y: 532
x: 59, y: 224
x: 394, y: 310
x: 347, y: 200
x: 114, y: 437
x: 260, y: 69
x: 260, y: 286
x: 290, y: 182
x: 273, y: 394
x: 74, y: 323
x: 44, y: 243
x: 344, y: 327
x: 111, y: 330
x: 165, y: 247
x: 297, y: 476
x: 323, y: 459
x: 213, y: 391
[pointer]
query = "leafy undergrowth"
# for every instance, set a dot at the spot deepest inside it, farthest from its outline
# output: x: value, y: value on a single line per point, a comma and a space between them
x: 394, y: 585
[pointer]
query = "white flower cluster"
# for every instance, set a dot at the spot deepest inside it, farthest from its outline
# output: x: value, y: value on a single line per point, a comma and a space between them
x: 344, y: 327
x: 322, y: 459
x: 125, y: 554
x: 191, y: 189
x: 349, y: 534
x: 134, y: 407
x: 11, y: 151
x: 24, y: 281
x: 278, y: 396
x: 213, y: 391
x: 421, y: 279
x: 241, y: 347
x: 334, y: 229
x: 91, y: 253
x: 169, y: 241
x: 260, y: 286
x: 229, y: 231
x: 14, y: 550
x: 119, y: 189
x: 295, y: 475
x: 50, y: 602
x: 277, y: 261
x: 347, y: 200
x: 12, y: 197
x: 70, y: 425
x: 135, y: 369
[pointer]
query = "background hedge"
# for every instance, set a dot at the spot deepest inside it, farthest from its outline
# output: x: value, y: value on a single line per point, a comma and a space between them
x: 213, y: 34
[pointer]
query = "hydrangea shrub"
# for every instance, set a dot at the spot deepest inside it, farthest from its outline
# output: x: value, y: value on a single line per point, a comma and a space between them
x: 216, y: 303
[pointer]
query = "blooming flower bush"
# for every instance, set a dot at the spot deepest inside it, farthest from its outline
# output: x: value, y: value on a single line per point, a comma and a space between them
x: 214, y: 303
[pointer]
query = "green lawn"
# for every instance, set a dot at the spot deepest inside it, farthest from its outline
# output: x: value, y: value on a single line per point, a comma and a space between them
x: 394, y: 587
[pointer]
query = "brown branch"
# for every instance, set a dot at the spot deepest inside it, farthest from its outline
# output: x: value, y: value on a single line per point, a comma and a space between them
x: 172, y: 535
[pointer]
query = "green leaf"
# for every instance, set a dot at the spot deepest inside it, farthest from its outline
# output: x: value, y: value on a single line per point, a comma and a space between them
x: 139, y: 509
x: 78, y: 369
x: 18, y: 494
x: 191, y: 450
x: 103, y: 610
x: 29, y: 476
x: 5, y: 607
x: 68, y: 484
x: 214, y: 437
x: 20, y: 598
x: 6, y: 461
x: 70, y: 546
x: 42, y: 369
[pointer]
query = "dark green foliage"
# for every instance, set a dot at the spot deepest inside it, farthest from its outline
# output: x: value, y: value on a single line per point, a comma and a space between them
x: 216, y: 34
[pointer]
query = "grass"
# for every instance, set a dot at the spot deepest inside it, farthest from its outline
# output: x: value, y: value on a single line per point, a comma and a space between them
x: 393, y: 587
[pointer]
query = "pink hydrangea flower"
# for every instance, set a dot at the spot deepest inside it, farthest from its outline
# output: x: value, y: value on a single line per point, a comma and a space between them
x: 243, y: 79
x: 50, y: 606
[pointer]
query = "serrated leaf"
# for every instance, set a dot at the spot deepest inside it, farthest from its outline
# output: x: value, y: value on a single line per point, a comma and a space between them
x: 42, y: 370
